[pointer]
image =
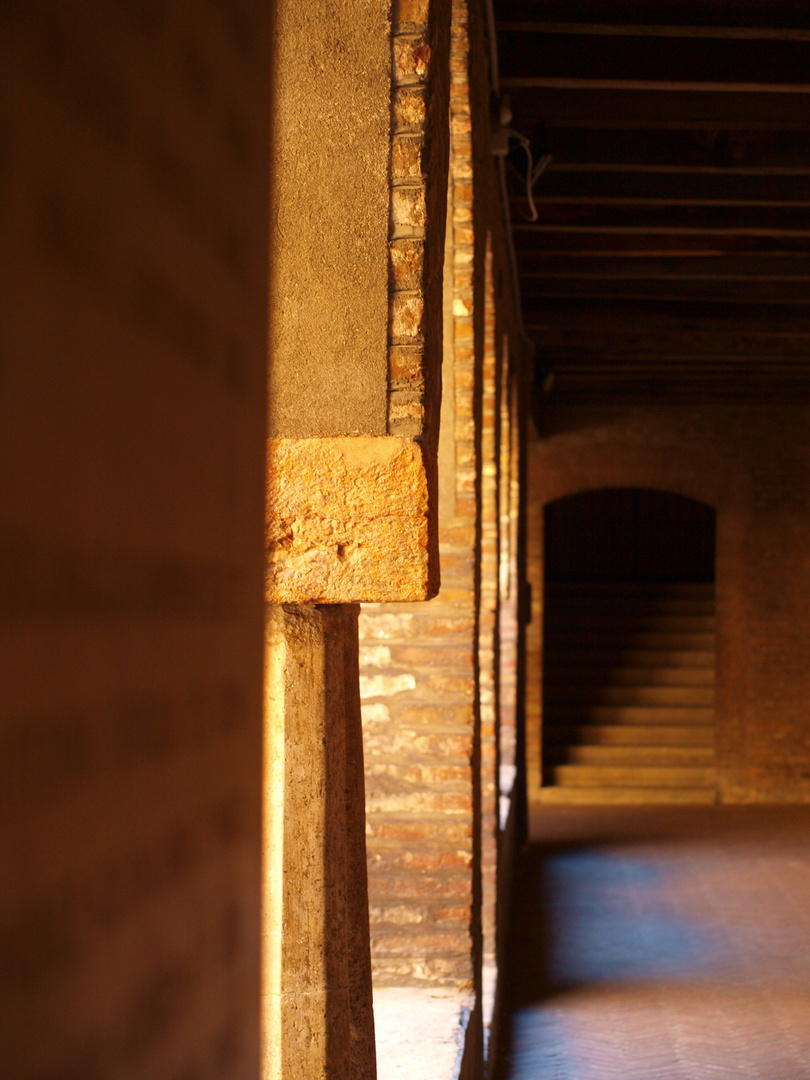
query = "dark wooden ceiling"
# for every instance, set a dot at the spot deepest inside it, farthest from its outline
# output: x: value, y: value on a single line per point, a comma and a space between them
x: 671, y: 253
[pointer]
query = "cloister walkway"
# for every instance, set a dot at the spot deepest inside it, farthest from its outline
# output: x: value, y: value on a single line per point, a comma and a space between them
x: 661, y: 944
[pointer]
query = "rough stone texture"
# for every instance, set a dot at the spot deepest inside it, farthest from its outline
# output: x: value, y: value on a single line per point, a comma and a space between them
x: 347, y: 520
x: 329, y: 287
x: 356, y: 345
x: 133, y: 335
x: 317, y: 1014
x: 752, y: 463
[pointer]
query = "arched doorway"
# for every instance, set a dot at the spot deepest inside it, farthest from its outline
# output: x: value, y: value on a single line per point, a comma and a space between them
x: 629, y: 655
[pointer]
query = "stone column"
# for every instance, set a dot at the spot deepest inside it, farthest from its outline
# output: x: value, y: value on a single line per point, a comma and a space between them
x: 359, y: 148
x: 317, y: 1019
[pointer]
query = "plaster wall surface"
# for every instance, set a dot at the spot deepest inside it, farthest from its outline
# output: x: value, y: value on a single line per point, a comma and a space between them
x: 133, y: 333
x: 329, y: 287
x: 752, y: 463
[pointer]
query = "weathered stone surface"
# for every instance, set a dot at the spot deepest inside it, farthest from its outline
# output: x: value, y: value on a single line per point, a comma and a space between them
x: 347, y: 521
x: 317, y: 1006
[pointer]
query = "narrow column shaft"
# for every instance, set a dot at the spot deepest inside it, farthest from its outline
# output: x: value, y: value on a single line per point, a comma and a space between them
x: 317, y: 1014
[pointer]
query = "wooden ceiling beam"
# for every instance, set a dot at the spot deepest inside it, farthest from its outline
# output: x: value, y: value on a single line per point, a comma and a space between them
x: 691, y: 318
x: 629, y: 148
x: 654, y: 291
x: 738, y: 383
x: 708, y: 186
x: 644, y: 218
x: 608, y: 55
x: 785, y: 14
x: 550, y: 242
x: 576, y: 344
x: 700, y: 31
x: 661, y: 376
x: 644, y: 104
x: 700, y: 267
x: 671, y: 255
x: 683, y: 365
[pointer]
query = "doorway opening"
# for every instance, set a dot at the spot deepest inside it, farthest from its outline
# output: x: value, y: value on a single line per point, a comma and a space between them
x: 629, y: 649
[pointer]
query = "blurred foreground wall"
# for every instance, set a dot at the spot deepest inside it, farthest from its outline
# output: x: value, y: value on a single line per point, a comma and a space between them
x: 133, y: 200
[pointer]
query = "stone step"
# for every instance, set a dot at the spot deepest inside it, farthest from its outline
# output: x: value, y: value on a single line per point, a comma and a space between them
x: 624, y: 796
x: 625, y: 675
x: 629, y: 735
x: 563, y: 696
x: 630, y: 714
x: 616, y: 657
x: 633, y: 776
x: 612, y: 639
x: 570, y: 622
x: 683, y: 756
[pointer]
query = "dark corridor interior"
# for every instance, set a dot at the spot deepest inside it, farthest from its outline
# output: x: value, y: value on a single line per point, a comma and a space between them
x: 628, y: 648
x: 629, y: 534
x: 662, y: 241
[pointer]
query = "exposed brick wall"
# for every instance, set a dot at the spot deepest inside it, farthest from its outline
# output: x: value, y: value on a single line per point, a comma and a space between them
x: 422, y: 696
x: 488, y: 652
x: 509, y: 574
x: 419, y: 162
x: 752, y: 463
x: 418, y: 690
x: 419, y: 680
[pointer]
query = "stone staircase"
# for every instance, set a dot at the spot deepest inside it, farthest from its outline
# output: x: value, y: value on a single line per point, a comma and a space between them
x: 628, y: 702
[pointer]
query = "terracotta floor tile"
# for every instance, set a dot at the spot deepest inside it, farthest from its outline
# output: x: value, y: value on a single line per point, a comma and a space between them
x: 662, y: 945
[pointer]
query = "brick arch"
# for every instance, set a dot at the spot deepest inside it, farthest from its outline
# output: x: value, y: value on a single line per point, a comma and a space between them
x: 668, y: 470
x: 659, y: 451
x: 629, y: 531
x: 630, y: 487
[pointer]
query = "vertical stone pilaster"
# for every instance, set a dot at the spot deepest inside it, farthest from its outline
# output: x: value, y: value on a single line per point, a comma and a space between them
x: 317, y: 1017
x: 363, y: 1061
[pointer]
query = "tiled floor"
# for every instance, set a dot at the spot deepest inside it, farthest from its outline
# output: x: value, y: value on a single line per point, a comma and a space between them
x: 662, y: 945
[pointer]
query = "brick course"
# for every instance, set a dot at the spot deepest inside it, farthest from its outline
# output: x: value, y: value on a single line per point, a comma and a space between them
x: 430, y: 677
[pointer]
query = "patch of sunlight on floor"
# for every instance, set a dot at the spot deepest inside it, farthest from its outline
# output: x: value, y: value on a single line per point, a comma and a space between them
x: 420, y: 1033
x: 662, y: 946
